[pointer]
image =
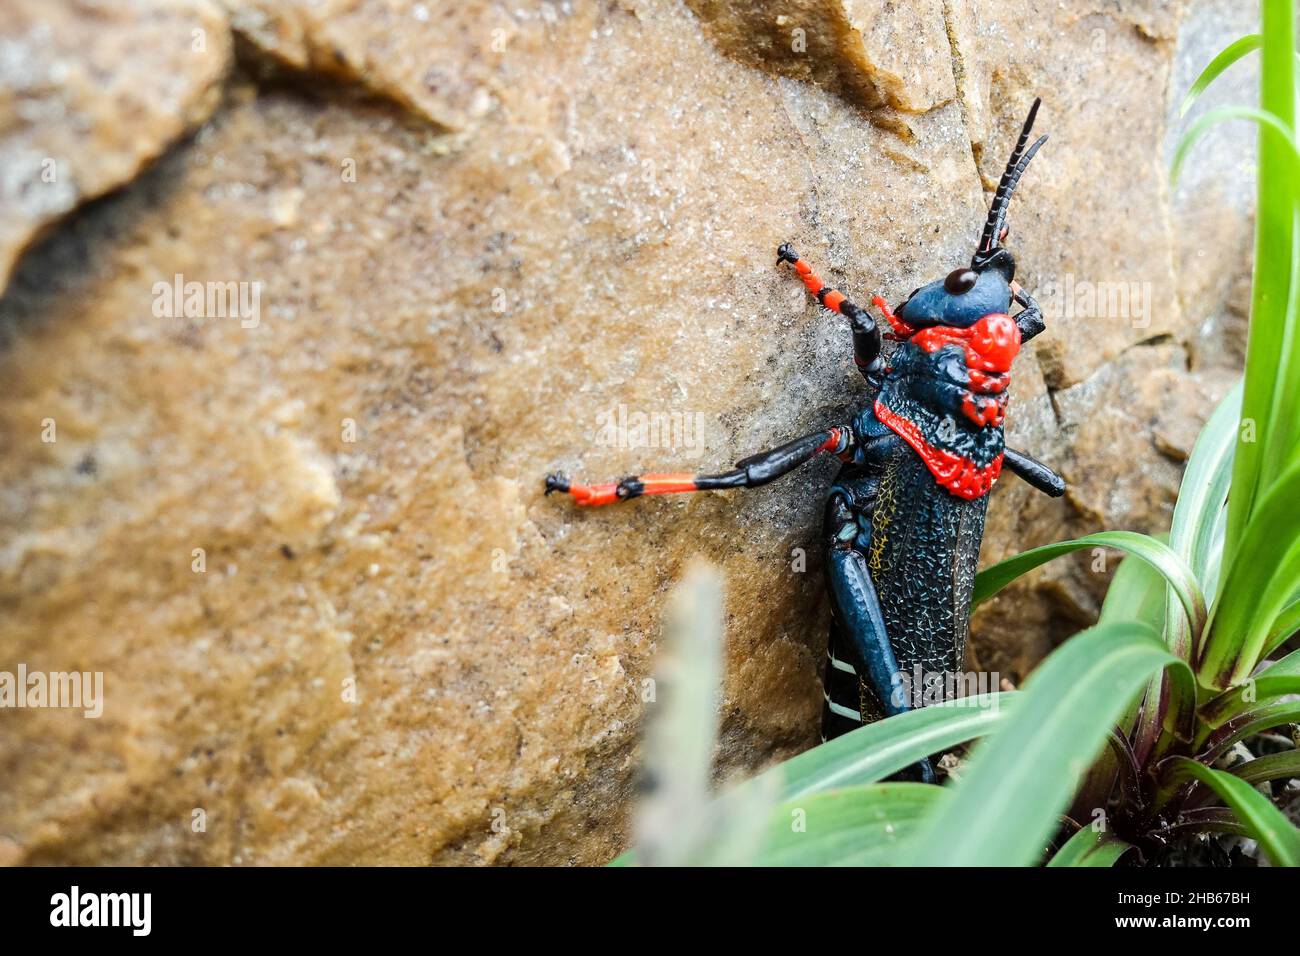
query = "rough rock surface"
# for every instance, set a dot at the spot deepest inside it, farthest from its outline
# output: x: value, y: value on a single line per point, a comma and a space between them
x: 90, y: 92
x: 501, y: 228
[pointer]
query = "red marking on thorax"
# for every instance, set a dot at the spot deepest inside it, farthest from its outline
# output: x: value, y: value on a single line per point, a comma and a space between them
x: 959, y: 475
x: 991, y: 344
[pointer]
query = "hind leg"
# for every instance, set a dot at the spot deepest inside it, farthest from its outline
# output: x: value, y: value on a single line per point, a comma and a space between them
x: 857, y: 609
x: 862, y: 628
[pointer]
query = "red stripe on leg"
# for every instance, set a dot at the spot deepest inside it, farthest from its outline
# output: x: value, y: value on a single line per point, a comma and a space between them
x: 832, y: 443
x: 809, y: 277
x: 900, y: 327
x: 602, y: 494
x: 666, y: 484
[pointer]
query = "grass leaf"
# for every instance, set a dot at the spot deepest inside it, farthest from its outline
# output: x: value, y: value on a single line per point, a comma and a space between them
x: 1261, y: 578
x: 1156, y: 553
x: 1281, y: 766
x: 1276, y: 835
x: 879, y: 749
x: 1005, y: 807
x: 1229, y: 55
x: 1089, y: 847
x: 1204, y: 488
x: 864, y: 825
x: 1272, y: 286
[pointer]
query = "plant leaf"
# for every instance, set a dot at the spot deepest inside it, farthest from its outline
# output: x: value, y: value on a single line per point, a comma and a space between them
x: 1276, y: 835
x: 1281, y: 766
x: 1208, y: 820
x: 1204, y: 488
x: 1156, y: 553
x: 1261, y: 577
x: 1006, y: 805
x: 1090, y: 848
x: 1229, y: 55
x: 1136, y: 593
x: 1244, y: 725
x: 1276, y: 680
x: 1286, y: 624
x: 1267, y: 391
x: 1272, y: 129
x: 863, y: 825
x: 875, y: 751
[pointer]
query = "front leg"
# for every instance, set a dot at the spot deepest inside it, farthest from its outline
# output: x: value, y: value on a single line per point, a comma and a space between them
x: 749, y: 472
x: 1030, y: 318
x: 866, y: 337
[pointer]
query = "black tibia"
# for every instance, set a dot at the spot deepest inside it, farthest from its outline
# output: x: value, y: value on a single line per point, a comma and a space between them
x: 866, y: 350
x: 1030, y: 318
x: 769, y: 465
x: 1034, y: 472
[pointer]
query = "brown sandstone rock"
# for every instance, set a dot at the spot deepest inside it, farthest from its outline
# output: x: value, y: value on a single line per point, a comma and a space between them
x: 398, y: 651
x: 90, y: 93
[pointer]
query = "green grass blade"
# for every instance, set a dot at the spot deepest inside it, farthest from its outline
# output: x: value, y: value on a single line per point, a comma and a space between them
x: 1272, y: 130
x: 1277, y: 187
x: 1156, y: 553
x: 1252, y: 695
x: 1282, y: 444
x: 1136, y: 593
x: 1276, y: 680
x: 1244, y: 725
x: 865, y: 825
x: 1230, y: 54
x: 1089, y: 847
x: 1204, y: 488
x: 879, y: 749
x: 1289, y: 665
x: 1272, y: 602
x: 1209, y: 578
x: 1283, y: 766
x: 1276, y: 835
x: 1287, y: 623
x: 1263, y: 569
x: 1006, y: 805
x: 1271, y: 289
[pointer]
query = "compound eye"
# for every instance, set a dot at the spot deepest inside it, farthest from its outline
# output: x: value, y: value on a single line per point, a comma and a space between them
x: 960, y: 281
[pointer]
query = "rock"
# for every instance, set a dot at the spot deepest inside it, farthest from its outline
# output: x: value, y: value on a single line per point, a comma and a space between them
x: 446, y: 63
x: 90, y: 94
x: 303, y: 535
x: 873, y: 53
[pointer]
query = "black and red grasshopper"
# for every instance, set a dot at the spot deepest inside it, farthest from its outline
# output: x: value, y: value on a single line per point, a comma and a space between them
x: 905, y: 517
